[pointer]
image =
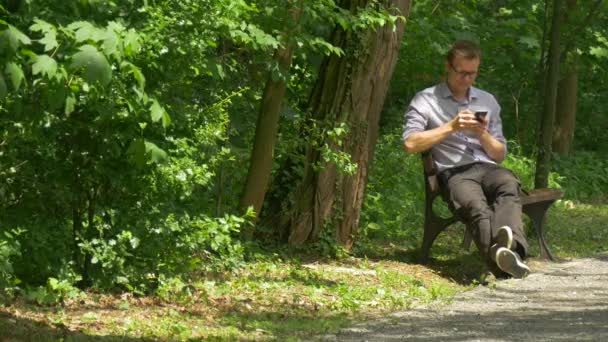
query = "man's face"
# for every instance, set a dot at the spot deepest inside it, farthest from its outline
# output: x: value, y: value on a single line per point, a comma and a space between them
x: 462, y: 73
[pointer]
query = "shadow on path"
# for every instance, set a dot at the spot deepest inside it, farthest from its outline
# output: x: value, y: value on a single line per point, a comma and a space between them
x: 557, y: 302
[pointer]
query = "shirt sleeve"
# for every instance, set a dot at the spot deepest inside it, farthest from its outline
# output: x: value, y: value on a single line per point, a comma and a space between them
x: 495, y: 126
x: 415, y: 119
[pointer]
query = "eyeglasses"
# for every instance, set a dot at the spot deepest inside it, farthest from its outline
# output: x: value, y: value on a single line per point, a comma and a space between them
x: 463, y: 74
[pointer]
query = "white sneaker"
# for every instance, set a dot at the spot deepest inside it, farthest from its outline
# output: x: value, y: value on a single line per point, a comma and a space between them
x: 511, y: 263
x: 504, y: 237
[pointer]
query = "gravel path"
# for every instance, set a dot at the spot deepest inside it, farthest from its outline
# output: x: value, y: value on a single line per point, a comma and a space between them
x: 558, y: 302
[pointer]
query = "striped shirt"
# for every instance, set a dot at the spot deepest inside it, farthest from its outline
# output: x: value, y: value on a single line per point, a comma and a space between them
x: 435, y: 106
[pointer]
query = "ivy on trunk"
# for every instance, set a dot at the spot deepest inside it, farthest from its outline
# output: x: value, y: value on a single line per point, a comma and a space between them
x: 350, y: 90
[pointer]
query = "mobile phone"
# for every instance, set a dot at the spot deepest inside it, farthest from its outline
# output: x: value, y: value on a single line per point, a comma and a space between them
x: 480, y: 115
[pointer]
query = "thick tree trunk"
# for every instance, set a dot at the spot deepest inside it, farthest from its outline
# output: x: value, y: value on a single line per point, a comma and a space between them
x: 565, y: 115
x: 350, y: 89
x: 543, y: 162
x: 267, y: 125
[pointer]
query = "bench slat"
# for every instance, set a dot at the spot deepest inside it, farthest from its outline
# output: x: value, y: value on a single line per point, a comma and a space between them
x: 541, y: 195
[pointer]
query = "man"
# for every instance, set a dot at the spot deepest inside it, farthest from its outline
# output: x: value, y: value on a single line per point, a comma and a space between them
x: 467, y: 150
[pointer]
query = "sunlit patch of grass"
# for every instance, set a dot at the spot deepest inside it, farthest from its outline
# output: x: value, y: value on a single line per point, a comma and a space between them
x: 270, y: 300
x: 577, y: 229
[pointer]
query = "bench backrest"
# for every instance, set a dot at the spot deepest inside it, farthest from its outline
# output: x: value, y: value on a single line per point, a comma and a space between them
x: 430, y: 175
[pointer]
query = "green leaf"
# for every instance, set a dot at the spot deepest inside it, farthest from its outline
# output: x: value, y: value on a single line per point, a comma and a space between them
x: 53, y: 283
x: 15, y: 73
x: 84, y: 31
x: 116, y: 27
x: 599, y: 52
x: 166, y: 120
x: 131, y: 43
x: 50, y: 34
x: 137, y: 152
x: 95, y: 65
x: 134, y: 242
x: 45, y: 65
x: 156, y: 111
x: 3, y: 89
x: 141, y: 151
x: 112, y: 41
x: 139, y: 77
x: 70, y: 103
x: 157, y: 155
x: 531, y: 42
x: 137, y: 74
x: 373, y: 226
x: 13, y: 38
x: 110, y: 44
x: 220, y: 71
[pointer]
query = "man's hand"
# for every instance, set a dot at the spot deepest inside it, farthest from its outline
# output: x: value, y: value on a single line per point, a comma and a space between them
x: 465, y: 121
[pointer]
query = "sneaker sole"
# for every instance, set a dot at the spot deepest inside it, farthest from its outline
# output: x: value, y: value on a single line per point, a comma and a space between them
x: 510, y: 263
x: 500, y: 237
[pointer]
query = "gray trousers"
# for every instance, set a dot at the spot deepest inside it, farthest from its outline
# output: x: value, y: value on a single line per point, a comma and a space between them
x: 487, y: 197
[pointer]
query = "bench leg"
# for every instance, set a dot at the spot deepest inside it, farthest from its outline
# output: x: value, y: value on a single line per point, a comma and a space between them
x: 545, y: 253
x: 537, y: 215
x: 432, y: 227
x: 431, y: 231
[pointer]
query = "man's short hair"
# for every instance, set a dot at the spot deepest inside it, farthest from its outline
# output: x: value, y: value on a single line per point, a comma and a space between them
x: 464, y: 48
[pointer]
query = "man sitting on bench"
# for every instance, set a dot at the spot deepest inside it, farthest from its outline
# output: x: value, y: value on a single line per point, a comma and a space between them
x: 461, y: 126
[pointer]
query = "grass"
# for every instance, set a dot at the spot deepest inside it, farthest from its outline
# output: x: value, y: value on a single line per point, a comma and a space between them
x: 290, y: 299
x: 278, y: 300
x: 576, y: 230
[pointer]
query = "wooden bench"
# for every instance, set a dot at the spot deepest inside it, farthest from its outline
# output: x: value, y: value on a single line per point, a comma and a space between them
x: 535, y: 204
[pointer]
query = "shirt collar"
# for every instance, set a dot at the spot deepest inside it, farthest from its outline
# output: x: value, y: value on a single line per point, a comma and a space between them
x: 445, y: 92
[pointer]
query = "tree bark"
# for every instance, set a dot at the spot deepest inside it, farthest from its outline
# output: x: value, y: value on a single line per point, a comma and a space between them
x: 565, y: 115
x: 350, y: 89
x: 567, y: 93
x: 260, y: 166
x: 543, y: 162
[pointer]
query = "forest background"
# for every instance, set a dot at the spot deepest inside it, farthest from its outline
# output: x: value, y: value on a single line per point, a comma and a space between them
x: 145, y: 144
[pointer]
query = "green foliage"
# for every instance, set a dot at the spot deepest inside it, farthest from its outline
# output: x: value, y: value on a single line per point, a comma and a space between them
x: 57, y: 290
x: 331, y: 153
x: 117, y: 184
x: 524, y: 168
x: 394, y: 199
x: 584, y: 176
x: 9, y: 249
x: 126, y: 128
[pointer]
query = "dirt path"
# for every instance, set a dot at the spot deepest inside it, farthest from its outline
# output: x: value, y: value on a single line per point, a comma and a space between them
x: 558, y: 302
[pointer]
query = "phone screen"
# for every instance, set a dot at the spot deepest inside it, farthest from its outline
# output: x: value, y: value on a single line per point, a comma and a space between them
x: 479, y: 116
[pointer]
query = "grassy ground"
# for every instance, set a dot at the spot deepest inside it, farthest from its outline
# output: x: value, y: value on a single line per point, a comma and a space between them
x: 291, y: 299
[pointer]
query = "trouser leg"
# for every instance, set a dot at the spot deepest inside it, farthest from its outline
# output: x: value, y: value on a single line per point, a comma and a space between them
x: 467, y: 198
x: 488, y: 197
x: 503, y: 191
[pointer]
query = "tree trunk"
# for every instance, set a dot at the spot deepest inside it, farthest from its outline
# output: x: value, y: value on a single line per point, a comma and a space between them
x: 567, y: 93
x: 543, y: 162
x: 267, y: 125
x: 265, y: 137
x: 350, y: 89
x: 565, y: 115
